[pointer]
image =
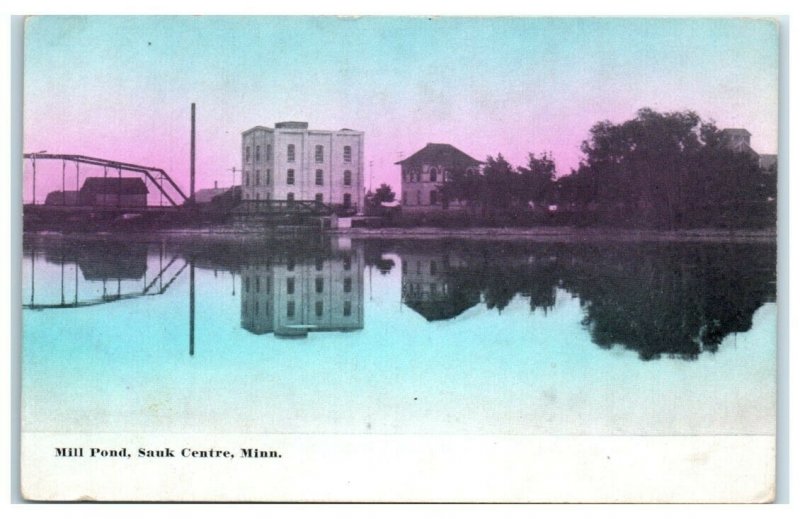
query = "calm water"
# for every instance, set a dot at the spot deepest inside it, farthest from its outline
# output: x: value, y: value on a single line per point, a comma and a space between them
x: 334, y: 336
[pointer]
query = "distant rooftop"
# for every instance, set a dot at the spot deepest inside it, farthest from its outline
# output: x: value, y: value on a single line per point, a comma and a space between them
x: 292, y: 125
x: 114, y: 185
x: 735, y: 131
x: 439, y: 153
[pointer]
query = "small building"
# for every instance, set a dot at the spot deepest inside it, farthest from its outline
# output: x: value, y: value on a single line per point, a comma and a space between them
x: 205, y: 196
x: 424, y: 172
x: 113, y: 192
x: 738, y: 139
x: 62, y: 198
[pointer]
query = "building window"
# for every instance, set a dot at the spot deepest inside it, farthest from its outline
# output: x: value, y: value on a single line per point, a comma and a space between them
x: 247, y: 284
x: 247, y: 154
x: 290, y: 177
x: 256, y: 309
x: 269, y: 284
x: 433, y: 268
x: 348, y: 153
x: 348, y: 177
x: 269, y: 177
x: 347, y: 309
x: 269, y: 152
x: 419, y: 198
x: 290, y: 286
x: 405, y: 198
x: 258, y: 177
x: 318, y: 177
x: 346, y: 263
x: 348, y: 284
x: 347, y: 200
x: 290, y: 264
x: 434, y: 197
x: 405, y: 267
x: 319, y: 153
x: 433, y: 174
x: 318, y: 197
x: 258, y: 196
x: 318, y: 264
x: 290, y: 309
x: 318, y: 308
x: 290, y: 197
x: 246, y: 178
x: 290, y: 153
x: 319, y: 285
x: 258, y: 153
x: 269, y: 195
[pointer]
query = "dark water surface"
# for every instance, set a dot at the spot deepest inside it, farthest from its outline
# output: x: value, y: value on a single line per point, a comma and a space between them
x: 321, y: 334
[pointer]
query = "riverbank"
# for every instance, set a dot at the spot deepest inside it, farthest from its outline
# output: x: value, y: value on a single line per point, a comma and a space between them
x: 550, y: 233
x: 543, y: 234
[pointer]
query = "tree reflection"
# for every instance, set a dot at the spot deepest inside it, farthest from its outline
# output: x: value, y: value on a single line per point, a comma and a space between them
x: 677, y: 300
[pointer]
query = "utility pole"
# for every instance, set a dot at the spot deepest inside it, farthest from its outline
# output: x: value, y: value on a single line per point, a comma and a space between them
x: 233, y: 171
x: 370, y: 176
x: 34, y: 174
x: 191, y: 171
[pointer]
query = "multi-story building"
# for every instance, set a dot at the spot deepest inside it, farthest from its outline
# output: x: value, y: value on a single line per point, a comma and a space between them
x: 290, y: 299
x: 424, y: 172
x: 291, y: 162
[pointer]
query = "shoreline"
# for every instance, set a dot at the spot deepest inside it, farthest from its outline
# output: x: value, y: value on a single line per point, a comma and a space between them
x: 533, y: 234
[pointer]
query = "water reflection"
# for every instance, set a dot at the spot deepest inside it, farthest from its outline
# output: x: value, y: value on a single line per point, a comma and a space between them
x: 674, y: 299
x: 657, y: 299
x: 290, y: 298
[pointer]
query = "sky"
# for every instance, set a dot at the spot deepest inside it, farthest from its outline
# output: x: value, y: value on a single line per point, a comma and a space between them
x: 121, y: 87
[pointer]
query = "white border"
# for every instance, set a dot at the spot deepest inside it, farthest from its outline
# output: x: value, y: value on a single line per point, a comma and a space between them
x: 565, y: 8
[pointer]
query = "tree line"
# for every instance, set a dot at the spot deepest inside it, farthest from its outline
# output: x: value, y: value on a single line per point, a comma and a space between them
x: 667, y: 170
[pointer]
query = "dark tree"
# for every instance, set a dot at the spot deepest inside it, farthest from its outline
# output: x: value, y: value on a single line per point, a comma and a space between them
x: 665, y: 169
x: 537, y: 180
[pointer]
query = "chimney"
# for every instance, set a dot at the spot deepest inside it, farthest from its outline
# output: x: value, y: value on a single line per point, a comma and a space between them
x: 215, y: 184
x: 191, y: 170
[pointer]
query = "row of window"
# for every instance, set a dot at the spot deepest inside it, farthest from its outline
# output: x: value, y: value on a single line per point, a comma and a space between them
x: 347, y: 308
x: 416, y: 289
x: 347, y: 198
x: 416, y: 176
x: 319, y: 177
x: 319, y: 284
x: 433, y: 198
x: 347, y: 285
x: 434, y: 269
x: 319, y: 153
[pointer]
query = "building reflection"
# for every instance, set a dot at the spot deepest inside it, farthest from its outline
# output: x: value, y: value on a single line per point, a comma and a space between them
x: 429, y: 286
x: 291, y: 297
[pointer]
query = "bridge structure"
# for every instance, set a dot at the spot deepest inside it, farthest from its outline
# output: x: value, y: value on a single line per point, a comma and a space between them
x: 157, y: 285
x: 156, y: 176
x: 179, y: 208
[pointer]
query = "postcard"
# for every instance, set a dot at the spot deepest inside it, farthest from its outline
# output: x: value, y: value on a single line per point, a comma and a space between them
x: 399, y: 259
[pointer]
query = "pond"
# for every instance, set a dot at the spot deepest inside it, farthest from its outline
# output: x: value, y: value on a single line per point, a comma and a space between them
x: 436, y: 336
